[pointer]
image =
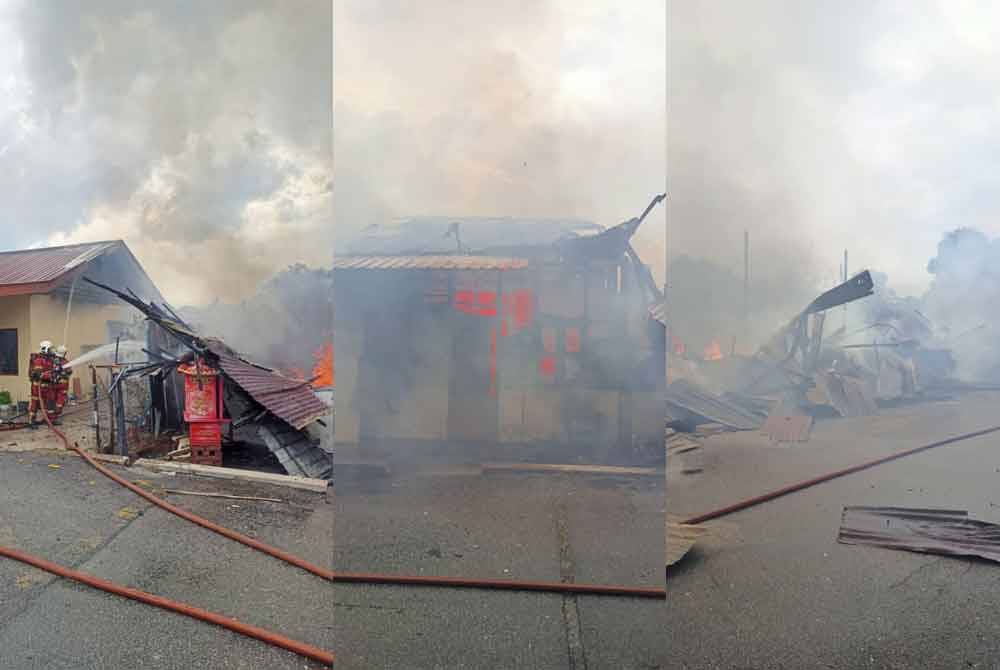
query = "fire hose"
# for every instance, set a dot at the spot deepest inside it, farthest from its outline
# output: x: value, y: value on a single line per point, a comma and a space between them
x: 269, y: 637
x: 301, y: 648
x: 367, y: 577
x: 792, y: 488
x: 346, y: 577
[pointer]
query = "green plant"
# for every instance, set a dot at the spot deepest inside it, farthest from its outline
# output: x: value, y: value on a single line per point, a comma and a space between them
x: 5, y: 397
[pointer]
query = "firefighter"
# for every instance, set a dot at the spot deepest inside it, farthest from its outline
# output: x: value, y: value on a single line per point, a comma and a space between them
x: 62, y: 376
x: 41, y: 367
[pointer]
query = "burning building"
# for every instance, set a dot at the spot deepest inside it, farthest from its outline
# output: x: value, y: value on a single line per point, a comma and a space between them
x: 498, y: 333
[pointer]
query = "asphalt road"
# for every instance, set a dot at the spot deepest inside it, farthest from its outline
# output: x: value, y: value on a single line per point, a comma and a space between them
x: 545, y: 527
x: 772, y: 588
x: 74, y: 516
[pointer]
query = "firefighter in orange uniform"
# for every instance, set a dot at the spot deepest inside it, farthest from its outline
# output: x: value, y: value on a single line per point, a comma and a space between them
x: 62, y: 375
x: 41, y: 367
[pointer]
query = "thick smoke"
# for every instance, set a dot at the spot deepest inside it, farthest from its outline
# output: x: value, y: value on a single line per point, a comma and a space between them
x: 197, y: 132
x: 283, y: 324
x: 708, y: 299
x: 535, y: 109
x: 820, y: 127
x: 962, y: 300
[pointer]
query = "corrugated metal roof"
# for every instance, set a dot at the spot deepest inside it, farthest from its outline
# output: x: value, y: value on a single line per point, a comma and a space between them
x: 430, y: 234
x: 289, y: 399
x: 428, y: 263
x: 41, y: 266
x: 932, y: 531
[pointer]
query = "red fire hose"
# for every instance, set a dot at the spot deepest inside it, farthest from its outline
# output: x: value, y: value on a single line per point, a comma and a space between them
x: 502, y: 584
x: 751, y: 502
x: 368, y: 578
x: 266, y: 636
x: 301, y: 648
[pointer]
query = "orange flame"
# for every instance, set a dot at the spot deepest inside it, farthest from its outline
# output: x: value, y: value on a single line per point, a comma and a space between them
x: 713, y: 352
x: 323, y: 369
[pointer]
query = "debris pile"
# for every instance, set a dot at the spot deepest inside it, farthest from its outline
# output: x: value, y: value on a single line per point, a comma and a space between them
x: 278, y: 409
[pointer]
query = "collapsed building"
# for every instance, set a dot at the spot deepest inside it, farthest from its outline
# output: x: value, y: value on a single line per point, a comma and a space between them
x: 498, y: 335
x: 65, y: 294
x: 884, y: 351
x: 279, y: 409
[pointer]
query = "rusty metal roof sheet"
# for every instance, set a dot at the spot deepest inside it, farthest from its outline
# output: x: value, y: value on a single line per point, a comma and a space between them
x: 37, y: 270
x: 931, y: 531
x: 291, y: 400
x: 428, y: 263
x: 685, y: 397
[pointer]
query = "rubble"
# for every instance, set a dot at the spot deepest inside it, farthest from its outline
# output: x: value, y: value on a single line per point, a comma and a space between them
x: 687, y: 402
x: 280, y: 409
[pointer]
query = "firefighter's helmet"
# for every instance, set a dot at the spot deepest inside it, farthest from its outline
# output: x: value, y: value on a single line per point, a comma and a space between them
x: 61, y: 351
x: 45, y: 347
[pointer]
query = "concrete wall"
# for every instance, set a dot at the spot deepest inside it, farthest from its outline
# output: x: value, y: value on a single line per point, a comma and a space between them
x: 423, y: 410
x: 347, y: 423
x: 42, y: 317
x: 15, y: 313
x: 88, y: 322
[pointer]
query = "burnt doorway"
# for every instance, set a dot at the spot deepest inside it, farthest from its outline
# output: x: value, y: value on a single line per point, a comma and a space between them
x: 473, y: 407
x: 472, y: 396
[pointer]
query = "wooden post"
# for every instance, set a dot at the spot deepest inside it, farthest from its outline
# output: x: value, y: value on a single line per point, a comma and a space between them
x: 121, y: 442
x: 97, y: 410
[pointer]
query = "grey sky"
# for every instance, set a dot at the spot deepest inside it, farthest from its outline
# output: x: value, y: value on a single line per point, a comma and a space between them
x: 527, y: 108
x: 197, y: 132
x: 200, y: 132
x: 820, y: 126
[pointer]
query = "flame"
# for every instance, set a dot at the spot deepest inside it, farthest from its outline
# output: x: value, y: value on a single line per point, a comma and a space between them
x: 323, y: 369
x: 713, y: 352
x: 679, y: 348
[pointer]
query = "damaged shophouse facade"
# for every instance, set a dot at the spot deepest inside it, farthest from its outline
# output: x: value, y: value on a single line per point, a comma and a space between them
x: 499, y: 336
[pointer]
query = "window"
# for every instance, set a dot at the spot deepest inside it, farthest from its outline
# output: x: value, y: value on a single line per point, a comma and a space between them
x: 8, y: 351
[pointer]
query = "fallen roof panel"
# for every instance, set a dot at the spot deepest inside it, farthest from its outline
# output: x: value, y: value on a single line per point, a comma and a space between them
x: 930, y: 531
x: 291, y: 400
x: 689, y: 398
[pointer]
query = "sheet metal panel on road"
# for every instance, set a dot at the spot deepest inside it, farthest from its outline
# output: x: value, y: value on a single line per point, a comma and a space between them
x: 930, y: 531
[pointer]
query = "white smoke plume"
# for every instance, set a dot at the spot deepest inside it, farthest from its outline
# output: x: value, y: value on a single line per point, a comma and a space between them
x: 199, y: 133
x: 535, y: 109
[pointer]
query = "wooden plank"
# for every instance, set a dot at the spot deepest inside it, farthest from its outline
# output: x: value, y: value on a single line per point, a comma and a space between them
x: 110, y: 458
x: 680, y: 539
x: 215, y: 472
x: 581, y: 469
x: 212, y: 494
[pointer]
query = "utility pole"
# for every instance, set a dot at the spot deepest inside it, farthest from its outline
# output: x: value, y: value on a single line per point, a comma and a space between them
x: 746, y: 288
x: 845, y: 279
